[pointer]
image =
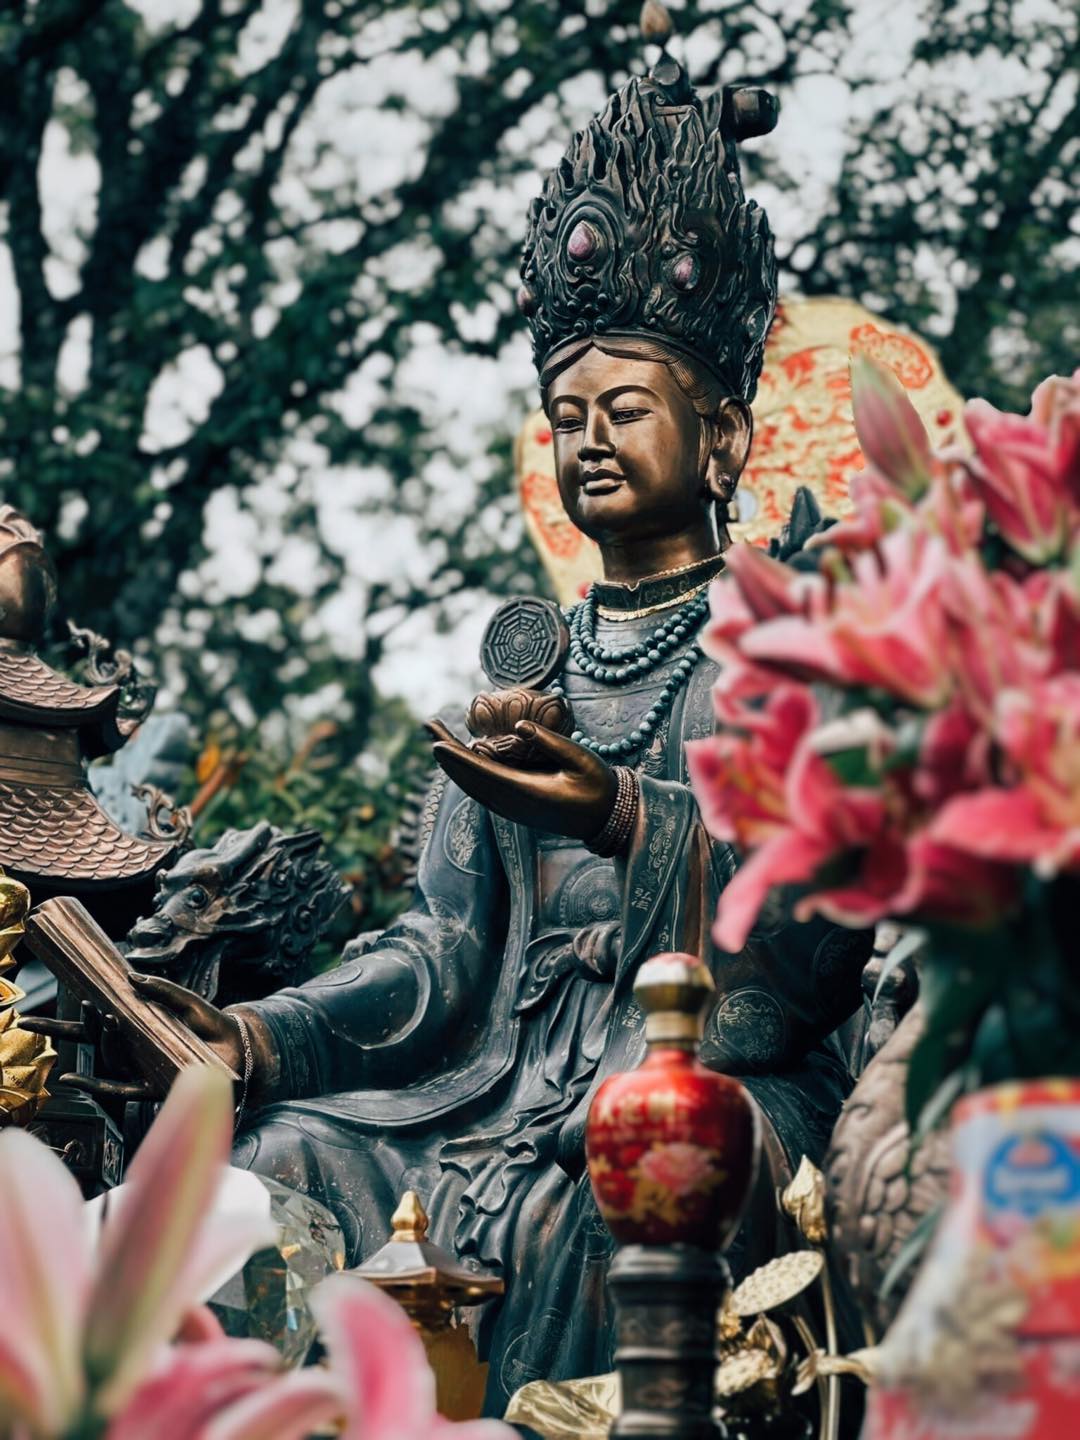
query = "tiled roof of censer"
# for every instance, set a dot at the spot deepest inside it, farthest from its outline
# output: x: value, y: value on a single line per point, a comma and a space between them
x: 27, y: 681
x: 32, y: 691
x: 62, y: 834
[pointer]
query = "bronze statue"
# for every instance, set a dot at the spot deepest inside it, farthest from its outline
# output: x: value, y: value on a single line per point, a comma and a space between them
x: 456, y: 1054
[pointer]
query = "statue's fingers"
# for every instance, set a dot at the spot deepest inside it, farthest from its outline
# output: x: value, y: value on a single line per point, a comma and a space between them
x: 55, y: 1029
x: 557, y: 747
x: 439, y: 731
x: 497, y: 786
x: 99, y: 1089
x: 178, y: 998
x: 466, y: 767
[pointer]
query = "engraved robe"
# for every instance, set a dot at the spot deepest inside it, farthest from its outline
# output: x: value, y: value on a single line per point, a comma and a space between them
x: 456, y: 1053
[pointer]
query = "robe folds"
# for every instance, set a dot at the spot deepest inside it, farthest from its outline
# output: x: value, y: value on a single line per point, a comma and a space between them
x: 456, y: 1054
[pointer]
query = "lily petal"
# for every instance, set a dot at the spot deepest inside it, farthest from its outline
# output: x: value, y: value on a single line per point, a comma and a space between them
x: 45, y: 1264
x: 289, y: 1408
x: 192, y: 1384
x: 147, y: 1239
x: 380, y: 1359
x: 891, y: 435
x: 786, y: 859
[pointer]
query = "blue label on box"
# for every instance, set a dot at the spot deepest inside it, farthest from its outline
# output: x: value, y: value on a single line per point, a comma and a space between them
x: 1028, y: 1174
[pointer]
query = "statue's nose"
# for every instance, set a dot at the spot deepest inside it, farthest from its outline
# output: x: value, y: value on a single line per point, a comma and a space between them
x: 596, y: 440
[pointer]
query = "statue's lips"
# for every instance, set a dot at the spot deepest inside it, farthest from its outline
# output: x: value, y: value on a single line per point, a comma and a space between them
x: 601, y: 482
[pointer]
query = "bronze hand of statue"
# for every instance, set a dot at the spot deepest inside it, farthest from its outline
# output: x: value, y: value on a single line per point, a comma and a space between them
x: 573, y: 797
x: 217, y: 1027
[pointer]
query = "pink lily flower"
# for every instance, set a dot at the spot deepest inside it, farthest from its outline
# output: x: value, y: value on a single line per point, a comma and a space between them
x: 1055, y: 404
x: 754, y: 587
x: 91, y: 1351
x: 774, y: 796
x: 997, y: 637
x: 92, y: 1343
x: 885, y: 628
x: 1035, y: 819
x: 1027, y: 468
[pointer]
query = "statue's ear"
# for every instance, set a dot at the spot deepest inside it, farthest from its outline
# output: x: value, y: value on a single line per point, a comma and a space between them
x: 733, y: 430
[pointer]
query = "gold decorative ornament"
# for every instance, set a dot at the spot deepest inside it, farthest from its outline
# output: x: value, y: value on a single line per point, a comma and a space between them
x: 804, y: 1202
x: 14, y: 908
x: 429, y: 1284
x: 777, y: 1283
x: 25, y: 1059
x: 568, y: 1409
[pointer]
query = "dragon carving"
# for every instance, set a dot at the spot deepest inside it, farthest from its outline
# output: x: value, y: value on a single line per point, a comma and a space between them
x: 240, y: 919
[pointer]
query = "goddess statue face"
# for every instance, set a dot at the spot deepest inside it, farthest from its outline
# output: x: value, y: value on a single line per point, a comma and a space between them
x: 635, y: 460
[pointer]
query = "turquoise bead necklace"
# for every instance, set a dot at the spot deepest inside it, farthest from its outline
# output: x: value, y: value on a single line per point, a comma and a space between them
x: 620, y: 665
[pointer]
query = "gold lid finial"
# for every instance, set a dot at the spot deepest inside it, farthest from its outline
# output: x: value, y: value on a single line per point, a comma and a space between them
x: 409, y: 1221
x: 656, y: 23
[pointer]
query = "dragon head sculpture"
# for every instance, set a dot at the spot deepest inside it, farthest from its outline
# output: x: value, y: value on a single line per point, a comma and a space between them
x: 241, y: 918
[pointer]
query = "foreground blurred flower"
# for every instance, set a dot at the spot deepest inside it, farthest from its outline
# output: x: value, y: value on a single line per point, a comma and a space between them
x: 113, y: 1343
x: 1034, y: 817
x: 883, y: 627
x: 382, y: 1367
x: 84, y: 1349
x: 891, y: 435
x: 942, y: 638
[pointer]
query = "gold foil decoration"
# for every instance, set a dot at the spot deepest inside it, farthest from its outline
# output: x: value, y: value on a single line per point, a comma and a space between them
x: 25, y: 1062
x: 804, y: 433
x: 569, y: 1409
x: 25, y: 1059
x: 14, y: 908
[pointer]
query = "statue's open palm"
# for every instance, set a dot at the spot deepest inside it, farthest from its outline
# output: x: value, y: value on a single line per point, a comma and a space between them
x: 573, y: 795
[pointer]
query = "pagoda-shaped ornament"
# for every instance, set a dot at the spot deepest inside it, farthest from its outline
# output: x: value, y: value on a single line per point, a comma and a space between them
x: 431, y: 1285
x: 54, y: 836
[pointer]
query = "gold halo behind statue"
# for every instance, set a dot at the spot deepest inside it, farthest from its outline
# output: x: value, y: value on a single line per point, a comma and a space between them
x: 804, y: 433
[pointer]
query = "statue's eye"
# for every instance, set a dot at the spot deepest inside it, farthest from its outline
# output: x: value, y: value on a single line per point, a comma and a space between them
x: 198, y: 899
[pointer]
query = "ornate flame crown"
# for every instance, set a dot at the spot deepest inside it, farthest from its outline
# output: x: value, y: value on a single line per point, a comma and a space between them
x: 643, y: 229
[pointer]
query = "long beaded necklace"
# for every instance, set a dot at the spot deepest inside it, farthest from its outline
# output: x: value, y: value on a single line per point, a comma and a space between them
x: 620, y: 665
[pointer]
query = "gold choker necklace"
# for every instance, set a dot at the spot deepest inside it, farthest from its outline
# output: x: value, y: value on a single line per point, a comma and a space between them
x: 654, y: 592
x: 619, y: 615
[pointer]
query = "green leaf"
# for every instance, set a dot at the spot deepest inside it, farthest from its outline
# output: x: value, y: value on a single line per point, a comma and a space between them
x: 912, y: 1250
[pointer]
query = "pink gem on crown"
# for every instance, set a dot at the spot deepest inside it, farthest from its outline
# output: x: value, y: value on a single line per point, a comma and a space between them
x: 582, y: 242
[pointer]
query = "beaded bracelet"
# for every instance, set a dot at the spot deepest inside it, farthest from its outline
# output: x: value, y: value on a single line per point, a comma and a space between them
x: 249, y: 1061
x: 617, y: 828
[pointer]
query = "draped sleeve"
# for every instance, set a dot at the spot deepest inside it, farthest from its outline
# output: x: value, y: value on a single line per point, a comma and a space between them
x: 402, y: 1002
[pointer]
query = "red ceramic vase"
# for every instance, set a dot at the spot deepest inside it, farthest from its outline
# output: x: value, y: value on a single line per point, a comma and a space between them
x: 672, y: 1146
